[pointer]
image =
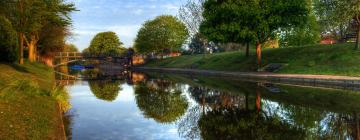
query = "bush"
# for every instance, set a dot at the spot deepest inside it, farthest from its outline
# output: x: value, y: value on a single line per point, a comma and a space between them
x: 8, y: 41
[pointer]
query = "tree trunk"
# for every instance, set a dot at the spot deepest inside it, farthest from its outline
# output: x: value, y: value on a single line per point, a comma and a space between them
x: 246, y: 101
x: 32, y: 49
x: 21, y: 48
x: 247, y: 49
x: 258, y: 54
x: 258, y: 99
x: 357, y: 46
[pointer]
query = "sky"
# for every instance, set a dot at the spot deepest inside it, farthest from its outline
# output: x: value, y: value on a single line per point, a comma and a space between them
x: 124, y: 17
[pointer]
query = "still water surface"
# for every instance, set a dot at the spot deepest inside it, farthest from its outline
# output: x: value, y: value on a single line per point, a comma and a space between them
x: 134, y: 105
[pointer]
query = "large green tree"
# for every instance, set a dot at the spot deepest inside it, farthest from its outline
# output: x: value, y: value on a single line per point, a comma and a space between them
x: 239, y: 20
x: 106, y: 43
x: 338, y: 13
x: 162, y: 35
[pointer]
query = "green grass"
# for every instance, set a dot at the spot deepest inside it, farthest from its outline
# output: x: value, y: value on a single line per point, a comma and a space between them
x: 338, y: 59
x: 28, y: 109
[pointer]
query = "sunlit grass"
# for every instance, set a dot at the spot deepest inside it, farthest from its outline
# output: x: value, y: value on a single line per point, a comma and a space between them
x: 338, y: 59
x: 27, y: 108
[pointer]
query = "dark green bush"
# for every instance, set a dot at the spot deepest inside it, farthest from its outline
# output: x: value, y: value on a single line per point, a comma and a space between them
x: 8, y: 41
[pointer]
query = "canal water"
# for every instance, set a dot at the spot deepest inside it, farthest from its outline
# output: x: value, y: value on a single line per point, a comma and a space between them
x: 156, y: 106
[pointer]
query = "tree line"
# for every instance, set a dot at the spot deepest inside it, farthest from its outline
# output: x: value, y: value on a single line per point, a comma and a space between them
x: 203, y: 24
x: 38, y: 27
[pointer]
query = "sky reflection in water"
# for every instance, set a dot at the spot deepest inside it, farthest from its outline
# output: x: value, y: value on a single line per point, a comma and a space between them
x: 187, y: 107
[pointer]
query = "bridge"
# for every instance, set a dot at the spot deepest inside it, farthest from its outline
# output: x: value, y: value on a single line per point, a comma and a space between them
x: 70, y: 57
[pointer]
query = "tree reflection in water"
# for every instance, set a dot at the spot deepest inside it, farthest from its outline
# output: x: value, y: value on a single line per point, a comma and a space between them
x: 220, y: 114
x: 161, y: 100
x: 106, y: 90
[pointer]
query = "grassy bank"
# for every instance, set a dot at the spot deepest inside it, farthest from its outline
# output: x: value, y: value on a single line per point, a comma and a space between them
x: 28, y: 105
x: 338, y: 59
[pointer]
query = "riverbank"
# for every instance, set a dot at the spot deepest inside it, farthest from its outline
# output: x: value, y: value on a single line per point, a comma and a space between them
x: 327, y: 81
x: 29, y: 103
x: 338, y: 59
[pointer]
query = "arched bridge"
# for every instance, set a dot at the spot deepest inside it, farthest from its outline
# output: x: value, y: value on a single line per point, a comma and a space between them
x: 69, y: 57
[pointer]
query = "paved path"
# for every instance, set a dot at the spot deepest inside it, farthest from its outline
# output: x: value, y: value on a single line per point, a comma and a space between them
x: 306, y: 78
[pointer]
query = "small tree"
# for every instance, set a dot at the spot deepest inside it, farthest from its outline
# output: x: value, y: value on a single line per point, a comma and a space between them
x: 162, y: 35
x: 239, y: 20
x: 106, y: 43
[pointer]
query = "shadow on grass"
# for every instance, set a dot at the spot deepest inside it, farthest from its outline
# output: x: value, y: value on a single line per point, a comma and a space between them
x: 19, y: 68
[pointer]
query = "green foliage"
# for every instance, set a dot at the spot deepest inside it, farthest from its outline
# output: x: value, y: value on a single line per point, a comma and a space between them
x: 237, y: 123
x: 240, y: 21
x: 106, y: 43
x: 335, y: 16
x: 70, y: 48
x: 52, y: 39
x: 162, y: 104
x: 161, y: 35
x: 105, y: 90
x: 8, y: 41
x: 307, y: 34
x: 41, y: 24
x: 196, y: 45
x: 333, y: 13
x: 62, y: 97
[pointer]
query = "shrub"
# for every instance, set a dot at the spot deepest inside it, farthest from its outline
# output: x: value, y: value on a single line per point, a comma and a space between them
x: 8, y: 41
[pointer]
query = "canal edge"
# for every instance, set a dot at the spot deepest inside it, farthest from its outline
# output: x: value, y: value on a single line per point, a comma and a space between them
x: 325, y: 81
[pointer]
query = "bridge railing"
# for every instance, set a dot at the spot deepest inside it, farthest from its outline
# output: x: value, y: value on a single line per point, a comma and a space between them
x: 80, y: 55
x: 68, y: 54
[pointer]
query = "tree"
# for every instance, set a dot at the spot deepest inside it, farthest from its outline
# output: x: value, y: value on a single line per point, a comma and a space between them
x: 8, y: 41
x: 105, y: 90
x: 48, y: 44
x: 30, y: 16
x: 106, y: 43
x: 70, y: 48
x: 309, y: 33
x: 162, y: 35
x: 235, y: 123
x: 240, y: 21
x: 191, y: 15
x: 196, y: 45
x: 339, y: 12
x: 164, y: 104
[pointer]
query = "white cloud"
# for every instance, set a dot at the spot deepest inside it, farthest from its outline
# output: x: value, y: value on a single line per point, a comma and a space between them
x: 125, y: 30
x: 138, y: 11
x: 170, y: 7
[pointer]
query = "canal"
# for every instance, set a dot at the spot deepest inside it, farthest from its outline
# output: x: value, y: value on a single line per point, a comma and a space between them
x: 133, y: 105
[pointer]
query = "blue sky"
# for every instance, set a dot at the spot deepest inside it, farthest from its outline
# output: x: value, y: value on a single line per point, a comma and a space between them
x: 124, y: 17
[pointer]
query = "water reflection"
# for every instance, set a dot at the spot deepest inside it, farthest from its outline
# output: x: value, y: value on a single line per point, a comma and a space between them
x: 161, y: 100
x: 208, y: 108
x: 106, y: 90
